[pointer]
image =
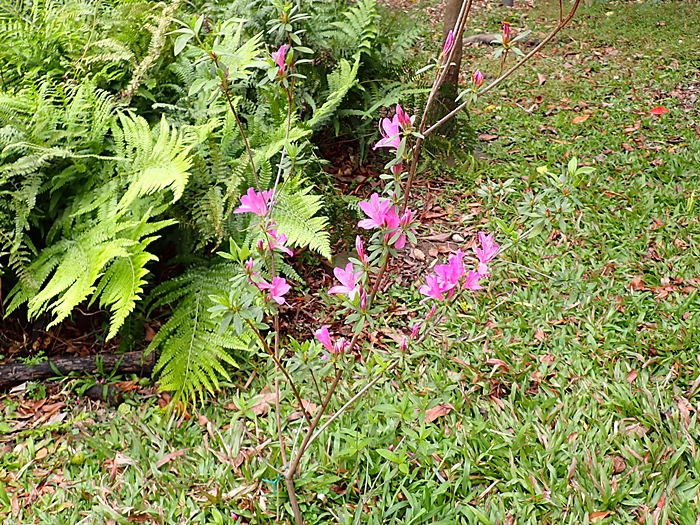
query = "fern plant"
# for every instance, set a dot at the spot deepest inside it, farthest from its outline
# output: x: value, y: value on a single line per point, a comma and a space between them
x: 106, y: 227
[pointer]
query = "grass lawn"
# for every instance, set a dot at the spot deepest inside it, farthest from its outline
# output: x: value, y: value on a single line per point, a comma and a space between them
x: 570, y: 387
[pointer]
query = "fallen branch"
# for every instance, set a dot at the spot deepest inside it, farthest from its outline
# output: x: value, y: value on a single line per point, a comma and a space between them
x: 129, y: 363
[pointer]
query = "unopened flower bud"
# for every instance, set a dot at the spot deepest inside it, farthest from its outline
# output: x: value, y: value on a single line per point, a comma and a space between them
x: 415, y: 330
x: 506, y: 32
x: 449, y: 43
x: 403, y: 118
x: 249, y: 265
x: 403, y: 344
x: 477, y: 78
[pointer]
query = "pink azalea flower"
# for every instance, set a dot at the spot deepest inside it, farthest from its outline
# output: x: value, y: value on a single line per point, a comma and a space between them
x: 348, y: 281
x: 471, y: 281
x: 378, y: 210
x: 325, y: 339
x: 432, y: 288
x: 254, y: 202
x: 489, y: 250
x: 391, y: 133
x: 477, y: 78
x: 449, y: 43
x: 277, y: 241
x: 449, y: 274
x: 279, y: 56
x: 278, y: 288
x: 404, y: 120
x: 361, y: 250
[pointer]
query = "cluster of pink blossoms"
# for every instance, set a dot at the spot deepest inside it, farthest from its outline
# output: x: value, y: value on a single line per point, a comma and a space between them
x: 259, y: 204
x: 390, y: 128
x: 384, y: 215
x: 449, y: 277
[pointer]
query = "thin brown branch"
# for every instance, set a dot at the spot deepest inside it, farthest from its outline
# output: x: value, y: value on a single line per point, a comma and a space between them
x: 282, y: 368
x: 354, y: 398
x: 243, y: 134
x: 508, y: 73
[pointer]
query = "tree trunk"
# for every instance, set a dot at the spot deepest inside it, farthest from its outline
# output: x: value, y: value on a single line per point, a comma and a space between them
x: 445, y: 101
x: 131, y: 362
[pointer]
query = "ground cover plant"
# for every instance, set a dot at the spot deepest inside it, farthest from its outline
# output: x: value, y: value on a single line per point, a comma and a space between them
x: 568, y: 395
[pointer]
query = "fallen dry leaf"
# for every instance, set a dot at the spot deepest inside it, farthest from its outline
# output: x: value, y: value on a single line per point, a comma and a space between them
x: 637, y: 284
x: 541, y: 79
x: 684, y: 409
x: 631, y: 376
x: 487, y: 137
x: 636, y: 429
x: 539, y: 335
x: 498, y: 363
x: 418, y: 255
x: 438, y: 411
x: 580, y: 119
x: 262, y: 404
x: 169, y: 457
x: 599, y: 515
x: 619, y: 465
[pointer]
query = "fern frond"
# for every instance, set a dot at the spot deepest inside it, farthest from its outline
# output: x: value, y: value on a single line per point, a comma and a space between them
x: 295, y: 216
x: 192, y: 349
x: 339, y: 83
x: 152, y: 164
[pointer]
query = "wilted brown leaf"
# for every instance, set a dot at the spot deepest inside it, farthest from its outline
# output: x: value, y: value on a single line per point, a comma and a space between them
x: 619, y: 465
x: 418, y: 255
x: 580, y: 119
x: 438, y: 411
x: 262, y: 404
x: 487, y: 137
x: 498, y: 363
x: 541, y: 79
x: 169, y: 457
x: 684, y: 409
x: 631, y: 376
x: 599, y: 515
x: 539, y: 335
x: 638, y: 284
x: 636, y: 430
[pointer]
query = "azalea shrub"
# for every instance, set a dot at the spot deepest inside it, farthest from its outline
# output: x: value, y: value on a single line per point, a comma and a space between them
x: 388, y: 226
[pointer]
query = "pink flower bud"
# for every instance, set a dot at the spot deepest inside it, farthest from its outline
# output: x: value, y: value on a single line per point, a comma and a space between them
x: 403, y: 344
x: 415, y: 330
x: 260, y: 245
x: 477, y: 78
x: 360, y: 247
x: 432, y: 311
x: 363, y: 299
x: 249, y: 266
x: 406, y: 220
x: 397, y: 169
x: 506, y: 32
x: 403, y: 118
x: 449, y: 43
